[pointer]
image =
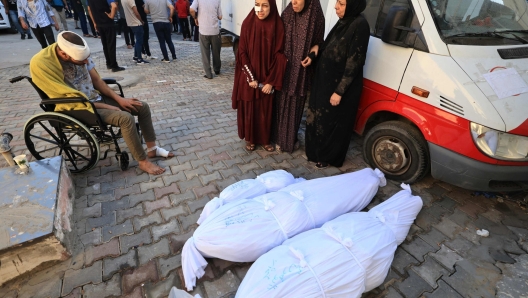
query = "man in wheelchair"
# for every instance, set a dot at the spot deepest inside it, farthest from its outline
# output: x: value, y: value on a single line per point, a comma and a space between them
x: 64, y: 69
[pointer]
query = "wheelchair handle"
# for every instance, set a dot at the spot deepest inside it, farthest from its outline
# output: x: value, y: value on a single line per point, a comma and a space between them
x: 17, y: 79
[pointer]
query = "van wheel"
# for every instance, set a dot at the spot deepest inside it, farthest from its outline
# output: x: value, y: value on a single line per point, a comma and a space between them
x: 235, y: 47
x: 399, y: 150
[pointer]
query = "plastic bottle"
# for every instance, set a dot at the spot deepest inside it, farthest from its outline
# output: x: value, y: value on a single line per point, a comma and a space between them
x: 260, y: 85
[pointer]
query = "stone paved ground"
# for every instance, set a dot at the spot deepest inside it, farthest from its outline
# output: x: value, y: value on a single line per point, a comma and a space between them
x: 131, y: 226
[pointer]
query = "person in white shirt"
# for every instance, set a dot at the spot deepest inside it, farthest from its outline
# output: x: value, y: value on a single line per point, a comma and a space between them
x: 38, y: 14
x: 210, y: 12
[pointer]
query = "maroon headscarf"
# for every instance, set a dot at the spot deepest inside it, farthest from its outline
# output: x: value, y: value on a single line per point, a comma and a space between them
x: 303, y: 30
x: 261, y: 49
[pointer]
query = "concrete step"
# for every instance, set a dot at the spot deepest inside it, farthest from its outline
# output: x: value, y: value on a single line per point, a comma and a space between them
x: 36, y: 210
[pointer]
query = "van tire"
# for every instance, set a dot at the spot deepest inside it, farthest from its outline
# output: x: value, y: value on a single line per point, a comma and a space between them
x: 399, y: 150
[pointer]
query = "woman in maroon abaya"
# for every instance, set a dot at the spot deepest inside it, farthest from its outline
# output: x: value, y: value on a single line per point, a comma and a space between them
x: 304, y: 25
x: 260, y: 66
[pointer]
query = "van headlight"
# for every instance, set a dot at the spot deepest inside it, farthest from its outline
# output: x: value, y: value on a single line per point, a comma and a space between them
x: 498, y: 144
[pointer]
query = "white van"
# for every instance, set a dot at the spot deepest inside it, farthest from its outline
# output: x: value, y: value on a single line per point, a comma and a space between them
x: 445, y: 89
x: 4, y: 18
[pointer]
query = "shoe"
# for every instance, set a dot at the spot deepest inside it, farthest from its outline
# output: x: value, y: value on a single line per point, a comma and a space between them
x: 118, y: 36
x: 205, y: 76
x: 217, y: 73
x: 152, y: 57
x: 30, y: 37
x: 135, y: 59
x: 108, y: 67
x: 77, y: 28
x: 129, y: 46
x: 141, y: 61
x: 321, y: 165
x: 119, y: 68
x: 174, y: 58
x: 22, y: 36
x: 165, y: 60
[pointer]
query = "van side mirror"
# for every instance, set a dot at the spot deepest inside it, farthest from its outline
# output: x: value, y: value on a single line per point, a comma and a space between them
x: 395, y: 25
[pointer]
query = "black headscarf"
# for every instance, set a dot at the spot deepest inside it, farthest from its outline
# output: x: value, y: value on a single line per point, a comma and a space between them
x: 353, y: 9
x: 306, y: 4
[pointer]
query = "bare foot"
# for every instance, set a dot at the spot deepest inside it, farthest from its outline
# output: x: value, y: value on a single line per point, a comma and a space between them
x: 150, y: 168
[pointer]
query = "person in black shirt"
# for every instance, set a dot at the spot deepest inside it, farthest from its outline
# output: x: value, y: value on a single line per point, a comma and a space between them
x: 102, y: 13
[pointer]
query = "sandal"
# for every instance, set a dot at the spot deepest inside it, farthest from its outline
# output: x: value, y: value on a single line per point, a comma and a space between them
x: 269, y: 148
x: 250, y: 147
x: 321, y: 165
x: 87, y: 35
x: 160, y: 152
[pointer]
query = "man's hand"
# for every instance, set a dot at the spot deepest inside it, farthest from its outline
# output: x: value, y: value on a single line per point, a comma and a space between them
x: 196, y: 22
x: 170, y: 20
x: 130, y: 104
x: 56, y: 24
x: 24, y: 25
x: 253, y: 84
x: 267, y: 89
x: 335, y: 99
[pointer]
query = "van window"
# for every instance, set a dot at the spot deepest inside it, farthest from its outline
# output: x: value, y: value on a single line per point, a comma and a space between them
x: 371, y: 14
x: 397, y: 24
x: 481, y: 22
x: 387, y: 5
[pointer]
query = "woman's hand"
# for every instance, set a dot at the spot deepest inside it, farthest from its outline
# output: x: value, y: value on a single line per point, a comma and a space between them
x: 335, y: 99
x: 313, y: 53
x: 306, y: 62
x: 315, y: 49
x: 253, y: 84
x: 267, y: 89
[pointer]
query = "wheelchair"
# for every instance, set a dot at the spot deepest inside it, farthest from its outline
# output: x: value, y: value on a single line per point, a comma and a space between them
x: 76, y: 135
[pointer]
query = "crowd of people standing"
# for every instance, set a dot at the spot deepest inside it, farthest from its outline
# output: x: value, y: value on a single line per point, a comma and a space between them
x: 107, y: 20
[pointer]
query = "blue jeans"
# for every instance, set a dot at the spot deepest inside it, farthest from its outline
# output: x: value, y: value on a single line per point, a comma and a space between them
x: 14, y: 19
x: 163, y: 32
x: 138, y: 33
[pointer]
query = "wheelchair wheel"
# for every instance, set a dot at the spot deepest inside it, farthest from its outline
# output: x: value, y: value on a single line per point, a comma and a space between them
x: 51, y: 134
x: 122, y: 160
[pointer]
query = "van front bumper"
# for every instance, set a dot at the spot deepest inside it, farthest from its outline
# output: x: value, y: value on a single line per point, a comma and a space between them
x: 468, y: 173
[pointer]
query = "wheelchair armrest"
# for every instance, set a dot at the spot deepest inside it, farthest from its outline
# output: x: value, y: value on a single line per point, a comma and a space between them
x: 109, y: 80
x: 114, y: 81
x: 54, y: 101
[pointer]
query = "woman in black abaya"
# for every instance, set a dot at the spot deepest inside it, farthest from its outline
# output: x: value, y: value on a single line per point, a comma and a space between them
x: 337, y: 86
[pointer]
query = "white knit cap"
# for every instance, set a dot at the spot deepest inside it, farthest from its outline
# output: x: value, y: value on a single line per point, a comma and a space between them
x: 77, y: 52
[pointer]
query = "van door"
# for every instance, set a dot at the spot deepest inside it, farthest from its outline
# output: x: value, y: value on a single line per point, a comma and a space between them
x: 386, y: 62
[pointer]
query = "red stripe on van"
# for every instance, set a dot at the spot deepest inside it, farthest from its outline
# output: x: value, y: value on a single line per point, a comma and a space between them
x: 521, y: 129
x: 437, y: 126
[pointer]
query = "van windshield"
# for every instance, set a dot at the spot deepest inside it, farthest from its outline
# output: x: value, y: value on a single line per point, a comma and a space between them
x: 481, y: 22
